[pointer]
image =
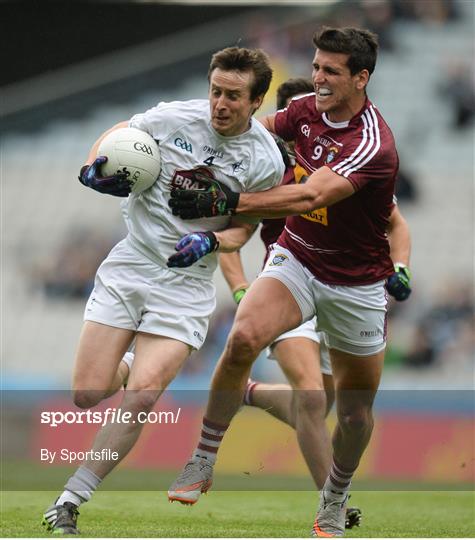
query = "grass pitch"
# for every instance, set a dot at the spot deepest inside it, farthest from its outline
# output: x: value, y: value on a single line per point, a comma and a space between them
x: 227, y: 514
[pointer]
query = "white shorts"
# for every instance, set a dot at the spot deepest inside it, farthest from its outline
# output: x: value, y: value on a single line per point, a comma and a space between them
x: 135, y: 293
x: 306, y: 330
x: 353, y: 318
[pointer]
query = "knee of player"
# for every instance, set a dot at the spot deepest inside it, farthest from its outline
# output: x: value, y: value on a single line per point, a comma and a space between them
x: 85, y: 399
x: 311, y: 401
x: 244, y: 343
x: 359, y: 419
x: 140, y: 400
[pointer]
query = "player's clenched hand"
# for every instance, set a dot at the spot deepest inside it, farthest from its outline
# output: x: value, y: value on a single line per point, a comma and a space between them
x: 116, y: 184
x: 398, y: 284
x: 215, y: 199
x: 192, y: 247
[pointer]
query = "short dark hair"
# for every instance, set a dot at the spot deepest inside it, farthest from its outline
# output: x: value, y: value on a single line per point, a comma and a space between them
x: 241, y: 59
x: 361, y: 46
x: 291, y: 88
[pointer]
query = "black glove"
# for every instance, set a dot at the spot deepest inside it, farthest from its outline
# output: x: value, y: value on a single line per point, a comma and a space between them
x: 398, y: 284
x: 116, y: 184
x: 215, y: 199
x: 192, y: 247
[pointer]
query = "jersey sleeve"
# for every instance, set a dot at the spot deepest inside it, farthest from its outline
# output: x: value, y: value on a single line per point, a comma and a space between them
x: 268, y: 166
x: 285, y: 122
x: 153, y: 121
x: 270, y: 175
x: 164, y: 118
x: 269, y: 170
x: 366, y: 160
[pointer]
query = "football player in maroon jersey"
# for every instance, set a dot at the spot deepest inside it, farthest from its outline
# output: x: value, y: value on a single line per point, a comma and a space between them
x: 332, y: 259
x: 301, y: 353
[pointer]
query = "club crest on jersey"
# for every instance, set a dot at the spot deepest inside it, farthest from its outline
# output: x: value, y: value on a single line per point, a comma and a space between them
x: 278, y: 260
x: 191, y: 179
x: 332, y: 152
x: 238, y: 166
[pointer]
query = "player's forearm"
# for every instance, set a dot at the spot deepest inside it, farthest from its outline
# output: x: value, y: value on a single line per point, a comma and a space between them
x: 234, y: 237
x: 400, y: 245
x: 233, y: 272
x: 278, y: 202
x: 399, y: 238
x: 93, y: 152
x: 284, y: 201
x: 323, y: 188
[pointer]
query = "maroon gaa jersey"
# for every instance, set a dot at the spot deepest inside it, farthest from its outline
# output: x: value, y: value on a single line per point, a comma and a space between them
x: 346, y: 243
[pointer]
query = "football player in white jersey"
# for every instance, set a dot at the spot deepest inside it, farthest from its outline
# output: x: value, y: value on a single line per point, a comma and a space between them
x: 155, y: 287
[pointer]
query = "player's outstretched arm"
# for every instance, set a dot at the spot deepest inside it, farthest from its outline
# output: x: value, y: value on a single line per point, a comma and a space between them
x: 399, y: 236
x: 323, y: 188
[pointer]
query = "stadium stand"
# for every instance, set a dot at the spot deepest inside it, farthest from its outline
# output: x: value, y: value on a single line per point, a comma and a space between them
x: 43, y: 206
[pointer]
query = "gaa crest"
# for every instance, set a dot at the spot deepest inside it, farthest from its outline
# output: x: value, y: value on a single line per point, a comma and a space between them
x: 332, y: 152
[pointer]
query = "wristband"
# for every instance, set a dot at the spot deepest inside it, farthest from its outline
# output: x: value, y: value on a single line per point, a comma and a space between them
x: 400, y: 267
x: 238, y: 295
x: 214, y: 242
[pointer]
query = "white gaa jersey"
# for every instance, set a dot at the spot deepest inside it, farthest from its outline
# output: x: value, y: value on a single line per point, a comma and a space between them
x: 187, y: 141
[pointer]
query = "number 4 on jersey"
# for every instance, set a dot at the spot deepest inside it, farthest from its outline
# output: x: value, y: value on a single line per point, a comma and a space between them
x: 209, y: 161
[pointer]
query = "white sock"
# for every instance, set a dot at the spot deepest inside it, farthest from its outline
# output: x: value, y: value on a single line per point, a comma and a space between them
x: 129, y: 358
x: 69, y: 496
x: 79, y: 487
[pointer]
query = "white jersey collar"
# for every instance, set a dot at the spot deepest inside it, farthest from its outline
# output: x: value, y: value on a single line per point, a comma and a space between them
x: 336, y: 125
x: 232, y: 137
